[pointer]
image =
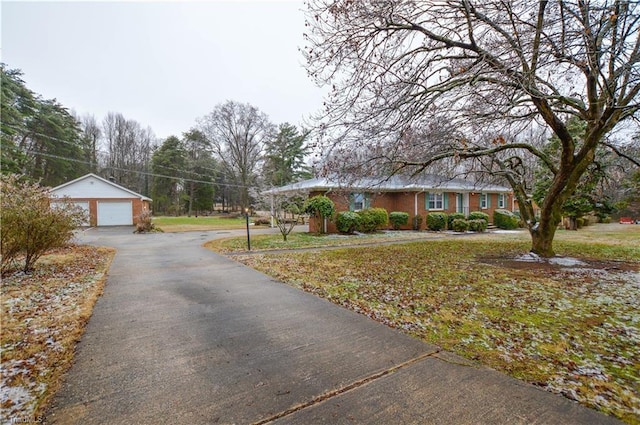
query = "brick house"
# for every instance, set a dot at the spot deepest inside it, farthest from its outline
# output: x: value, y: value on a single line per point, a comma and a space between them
x: 107, y: 203
x: 414, y: 196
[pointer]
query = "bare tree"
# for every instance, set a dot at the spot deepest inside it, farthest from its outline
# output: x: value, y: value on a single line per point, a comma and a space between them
x: 129, y: 148
x: 286, y: 209
x: 491, y: 70
x: 91, y: 134
x: 237, y: 133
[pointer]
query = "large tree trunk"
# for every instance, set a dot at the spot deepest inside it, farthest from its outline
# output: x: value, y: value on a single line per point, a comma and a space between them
x: 542, y: 235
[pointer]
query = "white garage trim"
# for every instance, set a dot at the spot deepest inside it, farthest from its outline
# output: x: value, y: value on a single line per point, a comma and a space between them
x: 115, y: 213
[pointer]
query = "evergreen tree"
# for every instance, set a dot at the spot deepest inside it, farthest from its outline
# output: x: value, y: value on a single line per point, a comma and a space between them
x: 285, y: 157
x: 40, y: 138
x: 168, y: 164
x: 201, y: 172
x: 18, y: 105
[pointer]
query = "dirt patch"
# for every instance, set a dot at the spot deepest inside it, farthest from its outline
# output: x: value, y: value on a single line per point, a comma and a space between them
x: 557, y: 265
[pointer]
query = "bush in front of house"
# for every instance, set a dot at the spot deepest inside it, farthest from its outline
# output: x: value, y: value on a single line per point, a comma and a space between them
x: 454, y: 216
x: 459, y: 225
x: 479, y: 215
x: 372, y: 219
x: 398, y: 218
x: 31, y: 223
x: 321, y: 207
x: 437, y: 221
x: 477, y: 225
x: 347, y: 221
x: 505, y: 219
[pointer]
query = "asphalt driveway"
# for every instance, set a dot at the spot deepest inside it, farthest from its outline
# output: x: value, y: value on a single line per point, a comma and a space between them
x: 182, y: 335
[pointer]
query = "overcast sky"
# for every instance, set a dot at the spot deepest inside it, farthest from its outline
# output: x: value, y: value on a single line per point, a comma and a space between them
x: 163, y: 64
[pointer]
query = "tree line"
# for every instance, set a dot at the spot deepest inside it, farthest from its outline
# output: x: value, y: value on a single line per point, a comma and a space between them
x: 221, y: 162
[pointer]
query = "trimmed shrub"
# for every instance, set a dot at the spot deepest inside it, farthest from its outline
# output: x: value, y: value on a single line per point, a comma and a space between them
x: 416, y: 222
x: 581, y: 222
x: 372, y: 219
x: 398, y: 218
x: 454, y: 216
x: 504, y: 219
x: 477, y: 225
x: 347, y: 221
x: 459, y: 225
x: 437, y: 221
x: 321, y: 207
x: 381, y: 216
x: 479, y: 215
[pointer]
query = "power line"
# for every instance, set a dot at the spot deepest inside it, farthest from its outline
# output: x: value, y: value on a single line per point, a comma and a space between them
x: 146, y: 173
x: 225, y: 174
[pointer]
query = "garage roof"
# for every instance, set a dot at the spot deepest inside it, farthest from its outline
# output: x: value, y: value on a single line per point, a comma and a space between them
x: 93, y: 186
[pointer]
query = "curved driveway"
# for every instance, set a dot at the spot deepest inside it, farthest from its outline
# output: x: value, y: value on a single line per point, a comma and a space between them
x: 182, y: 335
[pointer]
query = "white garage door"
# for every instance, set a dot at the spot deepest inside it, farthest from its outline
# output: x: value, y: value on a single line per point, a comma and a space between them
x: 115, y: 213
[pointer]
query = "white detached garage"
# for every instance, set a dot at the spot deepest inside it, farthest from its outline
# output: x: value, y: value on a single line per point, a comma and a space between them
x: 107, y: 203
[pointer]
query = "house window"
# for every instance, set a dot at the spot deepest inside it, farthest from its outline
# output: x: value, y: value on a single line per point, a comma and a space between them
x: 502, y: 200
x: 360, y: 201
x: 484, y: 201
x: 435, y: 201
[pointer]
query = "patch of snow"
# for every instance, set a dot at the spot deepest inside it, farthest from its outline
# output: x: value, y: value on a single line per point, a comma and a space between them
x: 506, y: 231
x: 19, y: 401
x: 566, y: 261
x: 529, y: 257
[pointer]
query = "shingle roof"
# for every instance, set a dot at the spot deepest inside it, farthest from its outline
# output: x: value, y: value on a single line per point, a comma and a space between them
x: 91, y: 175
x: 393, y: 184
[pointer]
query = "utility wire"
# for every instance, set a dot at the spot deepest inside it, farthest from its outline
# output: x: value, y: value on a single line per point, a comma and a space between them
x: 225, y: 174
x: 107, y: 154
x: 183, y: 179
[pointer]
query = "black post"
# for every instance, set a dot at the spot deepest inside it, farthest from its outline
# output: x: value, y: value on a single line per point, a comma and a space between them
x: 248, y: 237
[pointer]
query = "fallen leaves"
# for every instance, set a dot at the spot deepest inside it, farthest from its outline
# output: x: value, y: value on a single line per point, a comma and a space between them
x: 43, y: 317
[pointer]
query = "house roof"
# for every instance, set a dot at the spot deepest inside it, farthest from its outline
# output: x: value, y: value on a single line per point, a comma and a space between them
x: 393, y: 184
x: 90, y: 176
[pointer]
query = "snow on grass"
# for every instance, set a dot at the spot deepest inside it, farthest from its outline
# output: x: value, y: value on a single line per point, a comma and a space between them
x: 571, y: 327
x: 44, y: 314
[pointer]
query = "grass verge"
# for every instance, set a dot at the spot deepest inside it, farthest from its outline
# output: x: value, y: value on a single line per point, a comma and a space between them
x: 311, y: 240
x: 43, y: 317
x: 186, y: 224
x: 570, y: 330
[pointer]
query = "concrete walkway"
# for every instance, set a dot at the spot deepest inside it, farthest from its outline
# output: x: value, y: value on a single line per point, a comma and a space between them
x: 185, y: 336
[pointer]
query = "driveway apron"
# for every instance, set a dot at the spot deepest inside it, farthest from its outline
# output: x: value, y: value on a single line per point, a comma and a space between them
x: 182, y: 335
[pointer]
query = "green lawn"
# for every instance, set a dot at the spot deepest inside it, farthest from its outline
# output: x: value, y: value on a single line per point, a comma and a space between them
x: 310, y: 240
x: 574, y: 331
x: 183, y: 223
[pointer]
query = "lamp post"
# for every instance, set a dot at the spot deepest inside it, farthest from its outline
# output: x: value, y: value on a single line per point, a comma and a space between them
x: 246, y: 210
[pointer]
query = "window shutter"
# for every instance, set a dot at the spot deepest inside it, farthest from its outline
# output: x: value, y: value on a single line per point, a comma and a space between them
x: 367, y: 200
x: 352, y: 202
x: 426, y: 201
x: 445, y: 201
x: 488, y: 200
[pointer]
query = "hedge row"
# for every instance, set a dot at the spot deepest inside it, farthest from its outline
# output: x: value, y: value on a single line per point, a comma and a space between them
x: 372, y: 219
x: 476, y: 221
x: 365, y: 221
